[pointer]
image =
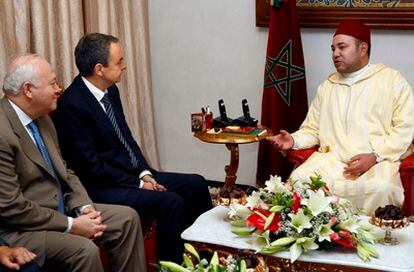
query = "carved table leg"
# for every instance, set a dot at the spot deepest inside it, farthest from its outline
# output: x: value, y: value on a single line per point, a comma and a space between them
x: 231, y: 169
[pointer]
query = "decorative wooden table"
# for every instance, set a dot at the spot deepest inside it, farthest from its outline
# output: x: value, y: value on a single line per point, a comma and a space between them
x: 232, y: 141
x: 211, y: 231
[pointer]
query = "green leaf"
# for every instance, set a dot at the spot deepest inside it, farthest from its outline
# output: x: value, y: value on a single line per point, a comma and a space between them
x: 214, y: 260
x: 365, y: 251
x: 187, y: 261
x: 161, y: 268
x: 284, y: 241
x: 317, y: 182
x: 243, y: 232
x: 271, y: 249
x: 174, y: 267
x: 277, y: 208
x: 238, y: 223
x: 243, y: 266
x: 281, y: 200
x: 192, y: 250
x: 366, y: 236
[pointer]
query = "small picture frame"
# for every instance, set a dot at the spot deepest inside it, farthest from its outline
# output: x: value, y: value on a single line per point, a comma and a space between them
x: 198, y: 122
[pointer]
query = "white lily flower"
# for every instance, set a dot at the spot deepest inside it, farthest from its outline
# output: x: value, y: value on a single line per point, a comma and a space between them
x: 275, y: 185
x: 237, y: 210
x: 324, y: 232
x: 261, y: 239
x: 317, y: 202
x: 295, y: 252
x: 350, y: 224
x: 253, y: 201
x: 307, y: 243
x: 300, y: 221
x: 320, y: 217
x: 301, y: 244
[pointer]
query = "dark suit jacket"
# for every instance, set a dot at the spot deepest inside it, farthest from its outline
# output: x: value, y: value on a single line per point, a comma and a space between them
x: 28, y: 191
x: 89, y: 142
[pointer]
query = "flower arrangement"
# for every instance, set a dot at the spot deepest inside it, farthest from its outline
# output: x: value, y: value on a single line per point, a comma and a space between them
x: 299, y: 217
x: 241, y: 262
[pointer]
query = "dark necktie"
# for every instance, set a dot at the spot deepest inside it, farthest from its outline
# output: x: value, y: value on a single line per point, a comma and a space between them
x: 111, y: 116
x: 46, y: 157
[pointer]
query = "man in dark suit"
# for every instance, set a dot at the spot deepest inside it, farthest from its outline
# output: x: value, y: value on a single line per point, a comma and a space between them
x: 43, y: 205
x: 97, y: 143
x: 20, y: 258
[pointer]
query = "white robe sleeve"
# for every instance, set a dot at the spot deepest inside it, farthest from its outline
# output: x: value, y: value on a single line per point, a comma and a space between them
x: 400, y: 135
x: 308, y: 133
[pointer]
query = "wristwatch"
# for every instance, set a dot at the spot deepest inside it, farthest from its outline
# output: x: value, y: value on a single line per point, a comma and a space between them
x: 378, y: 157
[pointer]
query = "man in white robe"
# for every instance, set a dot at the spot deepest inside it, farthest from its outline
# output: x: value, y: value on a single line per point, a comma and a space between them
x: 362, y: 119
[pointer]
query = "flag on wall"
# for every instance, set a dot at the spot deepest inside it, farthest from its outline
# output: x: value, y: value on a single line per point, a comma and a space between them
x: 284, y: 102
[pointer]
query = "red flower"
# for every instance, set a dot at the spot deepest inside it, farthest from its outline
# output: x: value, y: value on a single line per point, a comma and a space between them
x: 343, y: 238
x: 296, y: 203
x: 334, y: 236
x: 258, y: 221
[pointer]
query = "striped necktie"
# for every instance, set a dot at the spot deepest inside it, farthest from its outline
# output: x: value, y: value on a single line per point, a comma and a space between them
x: 46, y: 157
x: 111, y: 116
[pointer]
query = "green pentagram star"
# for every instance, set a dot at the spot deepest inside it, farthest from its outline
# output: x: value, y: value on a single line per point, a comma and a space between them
x: 293, y: 72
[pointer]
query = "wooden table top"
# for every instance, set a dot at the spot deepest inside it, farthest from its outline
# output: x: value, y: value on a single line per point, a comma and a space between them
x: 226, y: 136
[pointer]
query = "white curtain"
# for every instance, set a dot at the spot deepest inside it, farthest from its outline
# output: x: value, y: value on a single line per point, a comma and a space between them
x: 53, y: 28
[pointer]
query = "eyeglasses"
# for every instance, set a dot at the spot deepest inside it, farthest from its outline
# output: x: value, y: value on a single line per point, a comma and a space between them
x: 60, y: 86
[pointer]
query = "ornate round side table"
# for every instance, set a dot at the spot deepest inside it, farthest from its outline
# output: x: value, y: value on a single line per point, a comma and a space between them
x: 232, y: 141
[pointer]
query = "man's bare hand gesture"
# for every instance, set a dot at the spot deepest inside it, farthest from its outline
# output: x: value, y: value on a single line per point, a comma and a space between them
x: 282, y: 141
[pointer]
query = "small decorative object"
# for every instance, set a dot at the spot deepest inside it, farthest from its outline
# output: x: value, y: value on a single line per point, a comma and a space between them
x: 243, y: 261
x: 300, y: 217
x: 389, y: 218
x: 202, y: 121
x: 197, y: 122
x: 230, y: 195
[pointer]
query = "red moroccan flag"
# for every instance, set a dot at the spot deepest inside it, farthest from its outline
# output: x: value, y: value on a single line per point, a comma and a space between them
x: 284, y: 102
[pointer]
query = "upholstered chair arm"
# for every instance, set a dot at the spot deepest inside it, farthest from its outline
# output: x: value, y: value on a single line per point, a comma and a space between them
x: 298, y: 156
x: 407, y: 174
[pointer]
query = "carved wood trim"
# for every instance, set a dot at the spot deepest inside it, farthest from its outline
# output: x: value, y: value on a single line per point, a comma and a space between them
x: 320, y: 17
x: 276, y: 264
